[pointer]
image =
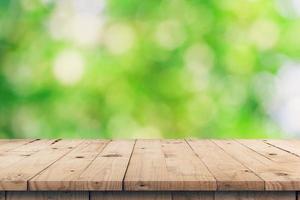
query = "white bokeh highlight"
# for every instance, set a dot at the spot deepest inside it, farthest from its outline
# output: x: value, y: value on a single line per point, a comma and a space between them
x: 198, y: 60
x: 284, y: 104
x: 264, y: 34
x: 80, y: 22
x: 288, y: 8
x: 68, y: 67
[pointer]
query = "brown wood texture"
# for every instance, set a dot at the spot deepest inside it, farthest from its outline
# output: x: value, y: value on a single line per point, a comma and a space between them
x: 166, y: 165
x: 130, y: 196
x: 16, y: 176
x: 150, y: 165
x: 33, y: 146
x: 107, y: 171
x: 47, y: 196
x: 7, y: 145
x: 291, y: 146
x: 63, y: 174
x: 193, y: 195
x: 255, y: 196
x: 227, y: 171
x: 277, y: 176
x: 270, y: 152
x: 148, y: 195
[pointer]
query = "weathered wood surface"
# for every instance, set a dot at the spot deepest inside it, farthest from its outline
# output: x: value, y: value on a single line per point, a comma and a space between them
x: 255, y: 196
x: 6, y: 145
x: 167, y: 165
x: 47, y: 196
x: 278, y: 176
x: 231, y: 174
x: 65, y: 172
x: 193, y: 196
x: 291, y: 146
x: 16, y: 176
x: 130, y: 196
x: 150, y: 165
x: 123, y: 195
x: 108, y: 170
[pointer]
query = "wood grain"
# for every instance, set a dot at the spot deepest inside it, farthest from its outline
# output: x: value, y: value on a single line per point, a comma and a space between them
x: 47, y: 196
x: 107, y: 170
x: 150, y: 165
x: 130, y: 196
x: 11, y: 159
x: 255, y: 196
x: 34, y: 146
x: 277, y: 176
x: 166, y: 165
x: 229, y: 173
x: 291, y: 146
x: 7, y: 145
x: 63, y: 174
x: 270, y: 152
x: 193, y: 196
x: 15, y: 177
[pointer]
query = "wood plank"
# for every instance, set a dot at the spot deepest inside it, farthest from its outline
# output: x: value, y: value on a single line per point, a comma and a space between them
x: 130, y: 196
x: 107, y: 171
x: 16, y: 150
x: 229, y: 173
x: 269, y: 151
x: 292, y: 146
x: 34, y: 146
x: 9, y: 158
x: 155, y: 165
x: 12, y: 144
x: 15, y: 177
x: 255, y: 196
x: 193, y: 196
x: 47, y: 196
x: 166, y: 165
x: 277, y: 176
x: 2, y: 141
x: 63, y: 174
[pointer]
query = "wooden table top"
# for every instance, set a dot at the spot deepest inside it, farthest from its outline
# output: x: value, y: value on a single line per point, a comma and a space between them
x: 150, y: 165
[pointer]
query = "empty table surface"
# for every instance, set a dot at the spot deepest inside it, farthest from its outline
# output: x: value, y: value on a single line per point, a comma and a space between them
x: 149, y: 165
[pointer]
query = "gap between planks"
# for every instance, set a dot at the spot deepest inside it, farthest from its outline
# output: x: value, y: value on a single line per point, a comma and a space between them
x: 100, y: 168
x: 165, y: 165
x: 28, y: 188
x: 278, y: 175
x: 84, y: 143
x: 224, y: 168
x: 123, y: 180
x: 257, y: 147
x: 27, y: 161
x: 285, y: 146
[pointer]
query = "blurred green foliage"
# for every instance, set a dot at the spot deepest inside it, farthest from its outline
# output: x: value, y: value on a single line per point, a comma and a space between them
x: 142, y: 69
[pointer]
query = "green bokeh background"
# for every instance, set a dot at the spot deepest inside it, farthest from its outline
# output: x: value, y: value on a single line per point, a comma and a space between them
x: 157, y: 68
